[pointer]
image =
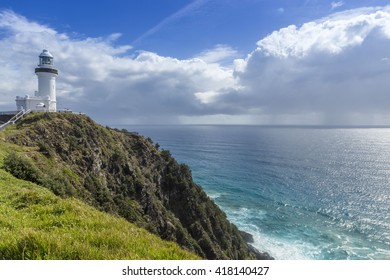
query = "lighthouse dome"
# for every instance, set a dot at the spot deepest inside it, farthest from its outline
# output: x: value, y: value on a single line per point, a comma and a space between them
x: 45, y: 59
x: 46, y: 53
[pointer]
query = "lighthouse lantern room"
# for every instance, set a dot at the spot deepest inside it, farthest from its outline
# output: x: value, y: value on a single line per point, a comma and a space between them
x: 44, y: 99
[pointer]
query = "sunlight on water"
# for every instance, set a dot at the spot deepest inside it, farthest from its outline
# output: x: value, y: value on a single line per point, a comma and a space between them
x: 303, y: 193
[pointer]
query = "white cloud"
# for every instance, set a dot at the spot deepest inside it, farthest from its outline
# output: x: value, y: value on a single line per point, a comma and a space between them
x: 104, y: 80
x: 219, y: 54
x: 333, y: 70
x: 206, y: 96
x: 327, y: 71
x: 335, y: 5
x: 330, y: 35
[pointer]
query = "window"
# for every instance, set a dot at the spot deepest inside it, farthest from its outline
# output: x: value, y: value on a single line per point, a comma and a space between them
x: 44, y: 60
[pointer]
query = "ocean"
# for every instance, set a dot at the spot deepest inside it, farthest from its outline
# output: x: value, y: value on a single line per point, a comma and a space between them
x: 302, y: 192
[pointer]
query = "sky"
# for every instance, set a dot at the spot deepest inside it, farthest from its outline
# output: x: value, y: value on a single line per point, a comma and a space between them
x: 266, y: 62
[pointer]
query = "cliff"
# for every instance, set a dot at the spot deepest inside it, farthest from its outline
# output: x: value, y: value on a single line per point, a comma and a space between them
x: 124, y: 174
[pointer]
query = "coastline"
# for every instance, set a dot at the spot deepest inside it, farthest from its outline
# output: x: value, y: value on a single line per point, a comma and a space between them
x: 296, y: 205
x: 248, y: 238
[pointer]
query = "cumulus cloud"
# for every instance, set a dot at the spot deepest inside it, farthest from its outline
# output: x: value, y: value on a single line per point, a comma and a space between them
x: 327, y: 71
x: 105, y: 80
x: 330, y: 35
x: 330, y: 71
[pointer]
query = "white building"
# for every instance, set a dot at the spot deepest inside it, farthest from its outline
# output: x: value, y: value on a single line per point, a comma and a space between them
x: 44, y: 99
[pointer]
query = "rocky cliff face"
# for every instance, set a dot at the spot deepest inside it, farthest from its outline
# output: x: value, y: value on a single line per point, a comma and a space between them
x: 124, y: 173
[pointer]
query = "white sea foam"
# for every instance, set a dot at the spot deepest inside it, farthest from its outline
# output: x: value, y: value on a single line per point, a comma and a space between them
x: 214, y: 195
x: 282, y: 249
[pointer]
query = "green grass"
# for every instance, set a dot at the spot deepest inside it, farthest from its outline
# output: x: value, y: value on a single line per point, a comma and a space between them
x: 36, y: 224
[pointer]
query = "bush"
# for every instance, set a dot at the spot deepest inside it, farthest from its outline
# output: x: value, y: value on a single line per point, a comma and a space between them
x: 45, y: 149
x: 166, y: 155
x: 21, y: 167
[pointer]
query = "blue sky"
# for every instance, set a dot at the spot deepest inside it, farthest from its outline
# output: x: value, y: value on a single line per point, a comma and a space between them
x: 179, y: 28
x: 205, y: 61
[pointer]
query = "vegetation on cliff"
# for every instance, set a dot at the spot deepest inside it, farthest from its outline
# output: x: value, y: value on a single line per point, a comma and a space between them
x: 36, y: 224
x: 124, y: 174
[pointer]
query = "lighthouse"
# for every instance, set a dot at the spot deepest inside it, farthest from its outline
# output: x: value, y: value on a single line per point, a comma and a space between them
x: 47, y: 75
x: 44, y: 99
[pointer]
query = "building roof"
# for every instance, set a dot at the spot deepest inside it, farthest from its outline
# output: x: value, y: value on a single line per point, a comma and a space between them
x: 46, y: 53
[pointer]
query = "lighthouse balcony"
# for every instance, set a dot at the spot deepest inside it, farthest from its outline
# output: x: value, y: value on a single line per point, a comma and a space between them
x: 46, y: 70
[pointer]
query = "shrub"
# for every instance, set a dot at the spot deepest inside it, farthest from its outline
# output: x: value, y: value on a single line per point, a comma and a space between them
x: 166, y: 155
x: 21, y: 167
x: 45, y: 149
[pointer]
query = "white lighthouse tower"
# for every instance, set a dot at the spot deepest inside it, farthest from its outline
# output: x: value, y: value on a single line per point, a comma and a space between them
x: 44, y: 99
x: 47, y: 75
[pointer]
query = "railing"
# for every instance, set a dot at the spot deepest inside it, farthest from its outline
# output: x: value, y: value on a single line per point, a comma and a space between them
x: 15, y: 118
x: 20, y: 115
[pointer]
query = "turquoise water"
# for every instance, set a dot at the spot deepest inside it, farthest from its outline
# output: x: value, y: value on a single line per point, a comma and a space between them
x: 304, y: 193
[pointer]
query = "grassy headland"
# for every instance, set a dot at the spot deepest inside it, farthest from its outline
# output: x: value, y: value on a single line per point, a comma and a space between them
x: 69, y: 169
x: 36, y: 224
